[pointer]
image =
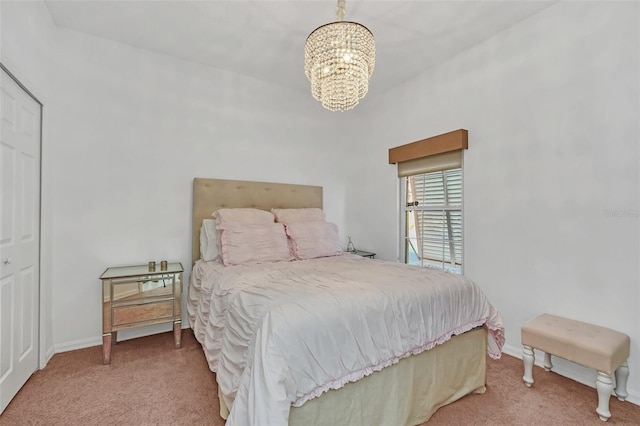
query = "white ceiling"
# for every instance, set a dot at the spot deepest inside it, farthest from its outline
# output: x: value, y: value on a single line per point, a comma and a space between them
x: 265, y: 39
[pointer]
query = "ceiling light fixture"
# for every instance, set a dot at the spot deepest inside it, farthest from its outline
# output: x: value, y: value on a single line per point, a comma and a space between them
x: 339, y: 58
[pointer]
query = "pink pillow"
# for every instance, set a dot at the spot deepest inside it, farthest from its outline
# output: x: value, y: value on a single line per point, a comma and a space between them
x: 244, y: 215
x: 253, y: 243
x: 298, y: 215
x: 314, y: 239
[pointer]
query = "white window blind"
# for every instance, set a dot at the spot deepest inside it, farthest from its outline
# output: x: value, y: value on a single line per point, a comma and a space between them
x: 433, y: 219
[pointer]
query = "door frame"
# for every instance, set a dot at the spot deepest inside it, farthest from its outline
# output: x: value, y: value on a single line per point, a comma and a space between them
x: 42, y: 355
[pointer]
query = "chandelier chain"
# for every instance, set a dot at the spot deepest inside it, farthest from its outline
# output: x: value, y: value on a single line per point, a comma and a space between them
x: 341, y: 9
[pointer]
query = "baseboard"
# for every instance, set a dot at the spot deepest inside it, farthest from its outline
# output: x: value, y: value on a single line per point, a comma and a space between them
x: 77, y: 344
x: 123, y: 335
x: 571, y: 370
x: 50, y: 353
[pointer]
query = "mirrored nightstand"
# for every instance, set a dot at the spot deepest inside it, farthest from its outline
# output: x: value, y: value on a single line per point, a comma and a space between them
x: 133, y: 296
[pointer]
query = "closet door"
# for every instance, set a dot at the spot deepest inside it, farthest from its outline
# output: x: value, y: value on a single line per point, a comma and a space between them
x: 19, y: 236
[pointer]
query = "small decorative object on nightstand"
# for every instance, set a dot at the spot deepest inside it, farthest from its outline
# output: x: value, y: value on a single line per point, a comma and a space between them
x: 350, y: 247
x: 133, y: 296
x: 364, y: 253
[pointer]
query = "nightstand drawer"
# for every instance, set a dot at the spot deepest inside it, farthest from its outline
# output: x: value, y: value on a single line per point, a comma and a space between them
x: 129, y: 290
x: 147, y: 312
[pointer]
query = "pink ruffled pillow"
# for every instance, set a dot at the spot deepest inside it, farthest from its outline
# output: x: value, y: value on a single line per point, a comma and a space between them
x: 242, y: 243
x: 298, y: 215
x: 314, y: 239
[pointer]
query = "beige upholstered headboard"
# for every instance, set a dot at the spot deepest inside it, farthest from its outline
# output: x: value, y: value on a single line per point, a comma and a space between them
x: 212, y: 194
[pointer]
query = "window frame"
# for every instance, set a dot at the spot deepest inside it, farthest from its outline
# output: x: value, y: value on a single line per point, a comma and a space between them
x: 402, y: 231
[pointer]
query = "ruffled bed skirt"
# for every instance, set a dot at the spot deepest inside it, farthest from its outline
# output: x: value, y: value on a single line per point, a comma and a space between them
x: 405, y: 393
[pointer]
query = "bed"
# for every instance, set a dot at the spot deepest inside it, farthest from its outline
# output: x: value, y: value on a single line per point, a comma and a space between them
x: 270, y: 342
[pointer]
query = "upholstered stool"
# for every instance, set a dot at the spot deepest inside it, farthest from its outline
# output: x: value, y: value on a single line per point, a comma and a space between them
x: 600, y: 348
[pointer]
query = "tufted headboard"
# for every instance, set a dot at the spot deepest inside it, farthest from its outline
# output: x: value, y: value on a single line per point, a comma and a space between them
x: 212, y: 194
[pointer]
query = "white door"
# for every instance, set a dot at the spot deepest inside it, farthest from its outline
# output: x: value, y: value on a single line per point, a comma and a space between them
x: 19, y: 236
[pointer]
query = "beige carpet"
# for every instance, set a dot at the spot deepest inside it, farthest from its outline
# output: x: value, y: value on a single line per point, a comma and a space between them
x: 150, y: 383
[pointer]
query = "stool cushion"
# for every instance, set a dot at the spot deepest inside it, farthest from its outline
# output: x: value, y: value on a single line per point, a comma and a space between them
x: 590, y: 345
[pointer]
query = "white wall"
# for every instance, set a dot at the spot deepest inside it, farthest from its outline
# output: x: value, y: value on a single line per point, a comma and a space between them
x: 552, y: 109
x: 126, y: 132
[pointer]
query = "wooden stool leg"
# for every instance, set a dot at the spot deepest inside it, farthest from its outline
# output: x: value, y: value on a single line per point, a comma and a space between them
x: 604, y: 386
x: 528, y: 358
x: 622, y: 375
x: 547, y: 362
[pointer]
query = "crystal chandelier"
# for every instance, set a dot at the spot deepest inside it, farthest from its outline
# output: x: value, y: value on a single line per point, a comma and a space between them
x: 339, y: 58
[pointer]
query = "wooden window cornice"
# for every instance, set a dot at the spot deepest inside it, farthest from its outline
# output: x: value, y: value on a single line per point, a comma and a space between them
x: 446, y: 142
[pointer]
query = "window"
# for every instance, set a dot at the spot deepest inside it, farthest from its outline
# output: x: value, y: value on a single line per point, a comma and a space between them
x: 430, y: 172
x: 433, y: 219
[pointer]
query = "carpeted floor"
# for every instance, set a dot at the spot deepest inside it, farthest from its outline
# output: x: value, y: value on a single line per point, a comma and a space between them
x: 150, y: 383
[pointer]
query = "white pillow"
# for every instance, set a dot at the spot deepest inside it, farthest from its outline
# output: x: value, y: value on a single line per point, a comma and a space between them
x: 243, y: 215
x: 209, y: 240
x: 298, y: 215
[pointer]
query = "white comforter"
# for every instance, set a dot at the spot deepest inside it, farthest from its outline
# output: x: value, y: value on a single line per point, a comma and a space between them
x: 279, y: 334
